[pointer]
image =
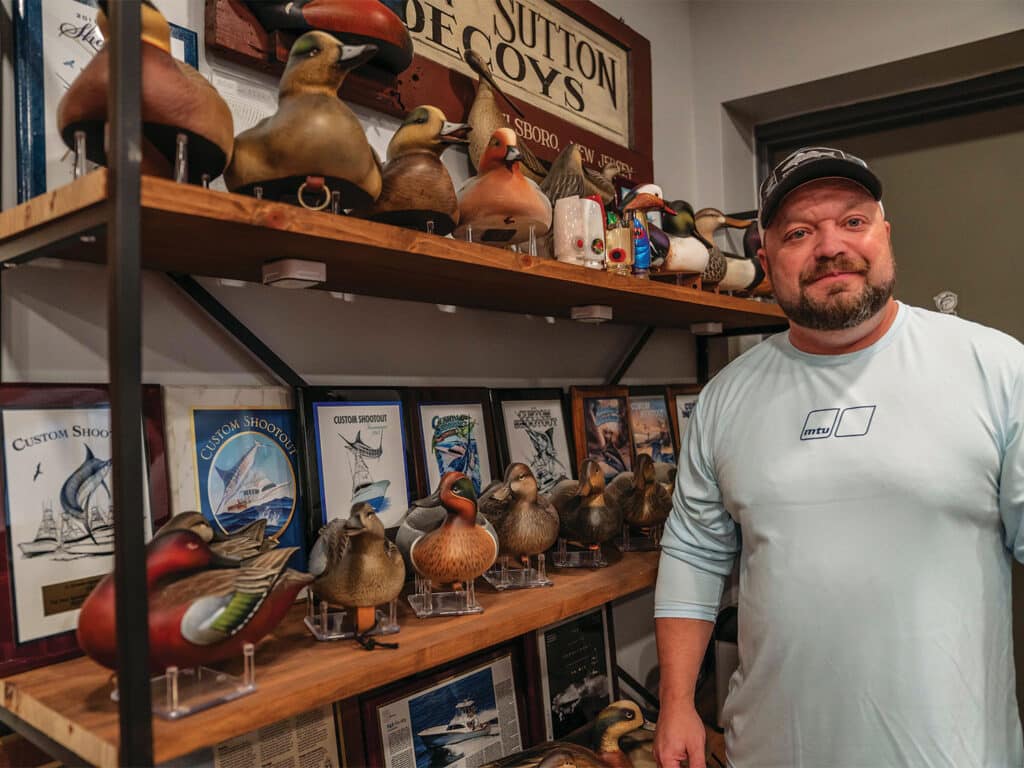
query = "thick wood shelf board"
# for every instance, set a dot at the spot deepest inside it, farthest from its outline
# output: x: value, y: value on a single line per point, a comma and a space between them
x: 204, y: 232
x: 70, y: 701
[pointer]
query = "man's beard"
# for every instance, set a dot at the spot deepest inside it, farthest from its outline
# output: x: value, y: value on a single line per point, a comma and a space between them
x: 841, y: 310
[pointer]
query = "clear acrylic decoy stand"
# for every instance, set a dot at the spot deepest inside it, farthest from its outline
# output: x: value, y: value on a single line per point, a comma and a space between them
x: 648, y: 540
x: 325, y: 624
x: 182, y: 692
x: 503, y: 576
x: 426, y: 602
x: 577, y: 558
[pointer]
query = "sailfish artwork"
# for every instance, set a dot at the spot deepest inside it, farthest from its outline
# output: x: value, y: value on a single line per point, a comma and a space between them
x: 233, y: 477
x: 81, y: 485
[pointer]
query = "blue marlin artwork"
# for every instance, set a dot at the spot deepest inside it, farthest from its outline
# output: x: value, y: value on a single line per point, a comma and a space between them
x: 233, y: 477
x: 78, y: 489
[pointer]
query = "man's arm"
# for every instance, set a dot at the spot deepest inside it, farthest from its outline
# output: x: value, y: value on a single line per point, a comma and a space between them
x: 680, y: 732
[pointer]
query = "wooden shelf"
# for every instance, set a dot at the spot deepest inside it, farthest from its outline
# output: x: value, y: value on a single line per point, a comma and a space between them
x: 204, y: 232
x: 70, y: 702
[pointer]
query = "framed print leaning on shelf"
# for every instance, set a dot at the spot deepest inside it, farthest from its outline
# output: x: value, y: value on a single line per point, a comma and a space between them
x: 467, y: 714
x: 454, y: 432
x: 651, y: 424
x: 234, y: 457
x: 356, y: 451
x: 57, y: 527
x: 600, y: 419
x: 681, y: 400
x: 577, y: 671
x: 532, y: 429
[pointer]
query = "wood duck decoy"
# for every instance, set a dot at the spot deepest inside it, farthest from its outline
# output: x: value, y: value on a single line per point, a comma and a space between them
x: 688, y: 252
x: 355, y: 566
x: 202, y: 607
x: 314, y: 139
x: 175, y: 99
x: 353, y: 21
x: 707, y: 220
x: 525, y: 519
x: 643, y: 501
x: 461, y: 548
x: 416, y: 186
x: 241, y: 544
x: 585, y: 517
x: 500, y: 203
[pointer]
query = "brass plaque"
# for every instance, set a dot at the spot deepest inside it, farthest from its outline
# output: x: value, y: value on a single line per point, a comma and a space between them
x: 67, y: 595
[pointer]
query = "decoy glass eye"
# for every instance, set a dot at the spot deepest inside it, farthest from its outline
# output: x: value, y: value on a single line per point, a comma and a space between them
x: 313, y: 52
x: 630, y: 714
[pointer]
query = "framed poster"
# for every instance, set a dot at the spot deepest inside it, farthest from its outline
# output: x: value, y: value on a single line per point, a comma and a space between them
x: 532, y: 428
x: 53, y: 41
x: 577, y: 671
x: 57, y: 524
x: 651, y: 424
x: 234, y: 457
x: 454, y: 432
x: 681, y: 400
x: 467, y: 714
x: 601, y: 427
x: 356, y: 451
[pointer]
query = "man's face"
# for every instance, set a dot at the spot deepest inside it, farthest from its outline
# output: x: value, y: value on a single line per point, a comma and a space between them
x: 829, y: 255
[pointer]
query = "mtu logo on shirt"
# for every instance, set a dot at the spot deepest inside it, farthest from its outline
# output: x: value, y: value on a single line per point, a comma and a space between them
x: 835, y: 422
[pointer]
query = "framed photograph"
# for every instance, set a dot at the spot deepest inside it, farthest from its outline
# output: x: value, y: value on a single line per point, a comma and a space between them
x: 454, y: 432
x: 532, y: 428
x: 651, y: 424
x: 53, y: 42
x: 577, y: 671
x: 234, y: 457
x: 57, y: 526
x: 681, y: 400
x: 463, y: 715
x: 356, y: 450
x: 601, y: 427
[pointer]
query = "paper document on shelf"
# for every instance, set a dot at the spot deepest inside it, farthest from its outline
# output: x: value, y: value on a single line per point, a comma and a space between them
x: 309, y: 739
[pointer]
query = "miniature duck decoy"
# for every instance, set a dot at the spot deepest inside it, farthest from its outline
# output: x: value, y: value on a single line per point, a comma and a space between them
x: 460, y: 549
x: 612, y: 723
x: 416, y: 186
x: 688, y: 252
x: 355, y: 566
x: 707, y: 220
x: 585, y: 517
x: 500, y: 203
x: 202, y: 607
x: 176, y: 99
x: 313, y: 140
x: 526, y: 521
x: 643, y: 501
x: 240, y: 544
x: 353, y: 21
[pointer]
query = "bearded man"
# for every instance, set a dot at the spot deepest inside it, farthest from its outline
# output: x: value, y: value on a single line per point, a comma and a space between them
x: 873, y: 457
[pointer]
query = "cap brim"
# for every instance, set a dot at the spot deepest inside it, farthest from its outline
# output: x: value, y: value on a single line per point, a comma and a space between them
x: 825, y: 168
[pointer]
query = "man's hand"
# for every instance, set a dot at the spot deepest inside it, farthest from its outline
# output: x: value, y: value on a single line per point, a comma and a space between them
x: 680, y: 736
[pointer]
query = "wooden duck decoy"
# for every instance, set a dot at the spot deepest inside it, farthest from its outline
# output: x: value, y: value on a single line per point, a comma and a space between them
x: 751, y: 245
x: 526, y: 521
x: 585, y: 517
x: 460, y: 549
x: 202, y: 607
x: 175, y: 99
x: 416, y: 187
x: 241, y: 544
x: 614, y: 721
x: 665, y: 474
x: 426, y: 515
x: 355, y: 566
x: 500, y: 203
x: 643, y: 501
x: 688, y: 252
x: 314, y: 139
x: 707, y: 220
x: 353, y: 21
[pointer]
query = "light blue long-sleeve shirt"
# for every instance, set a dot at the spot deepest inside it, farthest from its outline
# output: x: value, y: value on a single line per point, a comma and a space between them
x: 880, y: 495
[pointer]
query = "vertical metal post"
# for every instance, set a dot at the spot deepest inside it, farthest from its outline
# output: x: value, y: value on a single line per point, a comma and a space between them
x: 124, y: 339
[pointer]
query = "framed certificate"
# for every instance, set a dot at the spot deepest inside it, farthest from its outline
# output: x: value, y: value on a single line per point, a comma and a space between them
x: 681, y: 400
x: 601, y: 427
x: 532, y: 429
x: 651, y: 424
x: 57, y: 526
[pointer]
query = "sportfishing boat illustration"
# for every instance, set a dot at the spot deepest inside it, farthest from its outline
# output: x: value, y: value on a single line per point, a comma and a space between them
x: 364, y: 487
x: 249, y: 493
x: 567, y: 701
x: 234, y: 477
x: 465, y: 725
x: 258, y: 491
x: 456, y: 451
x: 546, y: 466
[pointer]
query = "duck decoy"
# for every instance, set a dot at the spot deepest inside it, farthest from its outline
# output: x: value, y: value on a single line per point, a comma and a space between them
x: 707, y: 221
x: 751, y: 245
x: 643, y: 501
x: 666, y: 475
x: 688, y: 252
x: 525, y: 519
x: 500, y: 203
x: 612, y: 723
x: 240, y: 544
x: 565, y: 177
x: 355, y: 566
x: 585, y: 518
x: 176, y: 100
x: 352, y: 21
x: 202, y: 607
x: 416, y: 188
x: 314, y: 144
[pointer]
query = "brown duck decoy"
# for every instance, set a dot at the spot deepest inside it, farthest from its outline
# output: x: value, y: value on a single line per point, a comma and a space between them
x: 313, y: 138
x: 175, y: 99
x: 707, y: 220
x: 525, y: 519
x: 585, y: 517
x: 643, y: 501
x: 241, y: 544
